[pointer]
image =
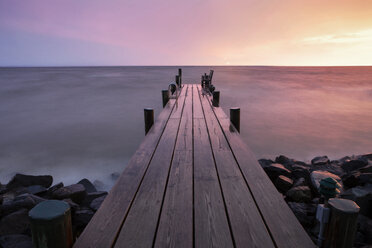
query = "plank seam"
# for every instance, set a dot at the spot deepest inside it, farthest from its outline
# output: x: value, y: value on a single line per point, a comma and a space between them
x: 169, y: 170
x: 218, y: 176
x: 245, y: 179
x: 193, y: 188
x: 140, y: 183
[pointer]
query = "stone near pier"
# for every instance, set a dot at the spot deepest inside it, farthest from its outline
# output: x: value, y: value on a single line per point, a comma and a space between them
x: 320, y: 160
x: 20, y: 180
x: 75, y: 192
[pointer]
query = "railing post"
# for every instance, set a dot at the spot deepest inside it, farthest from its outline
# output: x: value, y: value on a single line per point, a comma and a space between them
x: 51, y: 224
x: 216, y: 99
x: 165, y: 97
x: 235, y: 118
x: 149, y: 119
x: 342, y: 225
x: 180, y: 75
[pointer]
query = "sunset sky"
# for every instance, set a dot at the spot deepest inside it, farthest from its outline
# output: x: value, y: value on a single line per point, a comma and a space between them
x: 187, y: 32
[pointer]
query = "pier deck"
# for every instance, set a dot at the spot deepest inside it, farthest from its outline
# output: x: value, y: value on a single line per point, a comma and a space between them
x: 193, y: 182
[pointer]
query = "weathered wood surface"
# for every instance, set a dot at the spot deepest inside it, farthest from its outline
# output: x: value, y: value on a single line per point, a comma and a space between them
x: 193, y: 183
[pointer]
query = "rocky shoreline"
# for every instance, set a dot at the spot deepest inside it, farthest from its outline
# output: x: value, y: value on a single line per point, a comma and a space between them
x: 297, y: 181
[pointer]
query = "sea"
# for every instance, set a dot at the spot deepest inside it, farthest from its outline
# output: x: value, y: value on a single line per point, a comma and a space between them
x: 87, y: 122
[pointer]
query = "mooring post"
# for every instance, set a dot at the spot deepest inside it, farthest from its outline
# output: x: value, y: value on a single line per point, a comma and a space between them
x: 216, y: 99
x: 149, y: 119
x: 342, y: 224
x: 235, y: 118
x: 51, y: 224
x: 180, y: 75
x: 178, y: 81
x: 165, y: 97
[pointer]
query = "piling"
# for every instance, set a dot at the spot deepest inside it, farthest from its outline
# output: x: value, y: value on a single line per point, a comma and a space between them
x: 149, y: 119
x: 342, y: 225
x: 180, y: 75
x: 235, y: 118
x: 165, y: 97
x: 51, y: 224
x: 216, y: 99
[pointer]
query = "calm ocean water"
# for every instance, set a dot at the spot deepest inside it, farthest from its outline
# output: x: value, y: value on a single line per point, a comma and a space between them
x: 88, y: 121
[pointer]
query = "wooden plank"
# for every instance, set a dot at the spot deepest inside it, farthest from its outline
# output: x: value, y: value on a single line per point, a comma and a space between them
x: 247, y: 225
x: 140, y: 225
x: 211, y: 228
x: 102, y: 229
x: 176, y: 221
x: 282, y: 223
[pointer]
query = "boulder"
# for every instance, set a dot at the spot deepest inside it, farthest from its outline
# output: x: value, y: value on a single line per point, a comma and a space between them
x: 275, y: 170
x: 357, y: 179
x: 20, y: 180
x: 299, y: 171
x: 354, y: 164
x: 75, y: 192
x: 362, y: 195
x: 89, y: 187
x: 81, y: 217
x: 288, y: 162
x: 96, y: 203
x: 36, y: 189
x: 72, y: 204
x: 365, y: 227
x: 299, y: 194
x: 283, y: 183
x: 16, y: 241
x: 332, y: 167
x: 304, y: 212
x: 320, y: 160
x: 54, y: 188
x: 366, y: 169
x: 317, y: 176
x: 15, y: 223
x: 300, y: 182
x: 27, y: 201
x: 91, y: 196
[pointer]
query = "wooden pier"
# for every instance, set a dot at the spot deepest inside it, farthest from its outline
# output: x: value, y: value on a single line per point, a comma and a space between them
x: 193, y: 182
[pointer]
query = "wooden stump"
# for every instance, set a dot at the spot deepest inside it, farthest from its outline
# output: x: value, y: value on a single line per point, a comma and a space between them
x: 51, y: 224
x: 149, y: 119
x: 165, y: 97
x: 235, y: 118
x: 342, y: 225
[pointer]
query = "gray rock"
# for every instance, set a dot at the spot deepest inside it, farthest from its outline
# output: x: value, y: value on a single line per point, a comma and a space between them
x: 54, y: 188
x: 333, y: 168
x: 15, y: 223
x: 304, y: 212
x: 300, y: 182
x: 354, y: 164
x: 89, y: 187
x: 299, y: 171
x: 91, y: 196
x: 365, y: 227
x: 36, y: 189
x: 16, y: 241
x: 27, y: 201
x: 96, y: 203
x: 299, y: 194
x: 362, y: 195
x: 75, y: 192
x: 72, y: 204
x: 320, y: 160
x: 283, y: 184
x: 366, y: 169
x: 275, y: 170
x: 20, y: 180
x: 81, y: 217
x: 357, y: 179
x: 288, y: 162
x: 317, y: 176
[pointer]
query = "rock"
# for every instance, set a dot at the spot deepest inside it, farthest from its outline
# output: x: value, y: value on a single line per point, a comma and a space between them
x: 16, y: 241
x: 365, y: 227
x: 265, y: 162
x: 115, y: 176
x: 81, y: 217
x: 76, y: 192
x: 362, y: 196
x: 317, y: 176
x: 351, y: 180
x: 96, y: 203
x: 283, y: 184
x: 366, y: 169
x: 288, y: 162
x: 367, y: 156
x: 54, y: 188
x: 299, y: 171
x: 320, y: 160
x: 299, y: 194
x: 332, y: 167
x: 36, y: 189
x: 89, y: 187
x: 27, y: 201
x: 300, y: 182
x: 91, y: 196
x: 15, y: 223
x: 72, y: 204
x: 20, y: 180
x: 275, y: 170
x: 304, y: 212
x: 354, y: 164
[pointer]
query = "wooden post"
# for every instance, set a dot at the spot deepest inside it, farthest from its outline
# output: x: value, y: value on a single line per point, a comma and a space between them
x: 51, y: 224
x: 235, y: 118
x: 342, y: 225
x: 178, y: 81
x: 165, y: 97
x: 149, y: 119
x: 216, y: 99
x: 180, y: 75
